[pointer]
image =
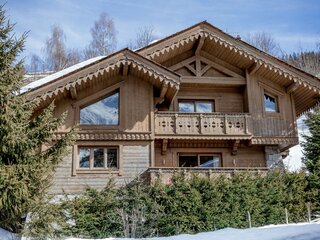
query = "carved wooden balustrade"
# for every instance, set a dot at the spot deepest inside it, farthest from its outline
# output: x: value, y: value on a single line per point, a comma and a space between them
x: 165, y: 174
x: 173, y: 123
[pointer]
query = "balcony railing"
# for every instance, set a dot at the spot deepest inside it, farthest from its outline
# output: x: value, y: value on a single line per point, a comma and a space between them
x: 165, y: 174
x: 174, y: 123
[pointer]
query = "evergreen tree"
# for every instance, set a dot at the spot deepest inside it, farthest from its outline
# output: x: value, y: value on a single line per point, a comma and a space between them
x: 311, y: 150
x: 25, y: 171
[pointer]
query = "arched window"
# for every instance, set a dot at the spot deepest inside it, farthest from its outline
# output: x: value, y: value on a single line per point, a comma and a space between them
x: 102, y: 112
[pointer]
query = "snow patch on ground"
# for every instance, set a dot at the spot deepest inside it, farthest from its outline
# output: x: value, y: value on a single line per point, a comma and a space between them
x: 6, y: 235
x: 59, y: 74
x: 300, y: 231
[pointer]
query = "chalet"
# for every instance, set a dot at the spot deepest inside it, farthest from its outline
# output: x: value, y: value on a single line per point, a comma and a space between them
x: 199, y: 100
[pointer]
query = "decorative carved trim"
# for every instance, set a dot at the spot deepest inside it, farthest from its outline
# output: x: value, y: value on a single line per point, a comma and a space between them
x: 108, y: 136
x: 235, y: 145
x: 259, y: 62
x: 124, y: 62
x: 274, y: 140
x: 197, y: 137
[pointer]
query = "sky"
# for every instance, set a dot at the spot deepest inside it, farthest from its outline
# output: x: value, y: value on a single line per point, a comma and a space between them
x: 295, y: 24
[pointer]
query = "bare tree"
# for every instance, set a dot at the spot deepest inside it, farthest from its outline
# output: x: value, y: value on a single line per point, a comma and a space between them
x: 103, y: 35
x: 265, y: 42
x: 57, y: 56
x: 36, y: 64
x: 144, y: 37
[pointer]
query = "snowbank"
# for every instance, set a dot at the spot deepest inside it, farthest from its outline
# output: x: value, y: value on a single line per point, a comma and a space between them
x: 300, y: 231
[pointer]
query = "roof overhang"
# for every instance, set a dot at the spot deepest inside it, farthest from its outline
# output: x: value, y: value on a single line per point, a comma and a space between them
x: 304, y: 87
x: 122, y: 63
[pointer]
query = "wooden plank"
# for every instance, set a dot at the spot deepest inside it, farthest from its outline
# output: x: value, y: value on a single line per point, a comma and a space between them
x: 183, y: 63
x: 199, y: 46
x: 227, y: 65
x: 220, y: 67
x: 225, y: 81
x: 292, y: 87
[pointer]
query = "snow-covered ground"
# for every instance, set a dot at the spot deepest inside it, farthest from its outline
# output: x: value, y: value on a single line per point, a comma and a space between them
x: 300, y: 231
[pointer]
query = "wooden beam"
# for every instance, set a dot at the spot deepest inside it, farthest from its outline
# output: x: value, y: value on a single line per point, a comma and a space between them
x: 235, y: 145
x: 220, y: 67
x: 164, y: 146
x: 199, y: 45
x: 205, y: 69
x: 183, y: 63
x: 253, y: 68
x: 125, y: 70
x: 225, y: 64
x: 292, y: 87
x: 73, y: 92
x: 218, y: 81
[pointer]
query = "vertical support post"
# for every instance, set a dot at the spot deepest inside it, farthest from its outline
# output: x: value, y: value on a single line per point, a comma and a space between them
x: 309, y: 211
x: 287, y: 218
x: 175, y: 123
x: 200, y: 124
x: 249, y: 218
x: 225, y: 124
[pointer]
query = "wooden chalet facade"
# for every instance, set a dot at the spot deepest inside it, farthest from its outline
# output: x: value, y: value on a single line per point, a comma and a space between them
x: 199, y: 100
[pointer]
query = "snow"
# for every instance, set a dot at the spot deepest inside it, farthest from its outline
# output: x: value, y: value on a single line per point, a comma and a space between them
x: 59, y: 74
x: 6, y: 235
x: 300, y: 231
x: 293, y: 161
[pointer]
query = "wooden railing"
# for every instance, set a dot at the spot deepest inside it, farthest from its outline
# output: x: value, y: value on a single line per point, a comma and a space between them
x: 174, y: 123
x: 165, y: 174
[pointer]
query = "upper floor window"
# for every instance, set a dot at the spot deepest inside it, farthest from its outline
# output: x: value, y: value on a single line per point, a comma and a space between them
x: 201, y: 106
x: 200, y: 160
x: 270, y: 103
x: 102, y: 112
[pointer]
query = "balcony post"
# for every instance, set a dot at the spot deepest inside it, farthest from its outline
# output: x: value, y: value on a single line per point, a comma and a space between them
x: 175, y: 123
x: 225, y: 124
x: 200, y: 124
x: 245, y: 124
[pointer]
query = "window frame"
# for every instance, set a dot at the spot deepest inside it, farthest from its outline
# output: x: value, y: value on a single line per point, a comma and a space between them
x: 92, y: 98
x: 93, y: 170
x: 275, y: 97
x: 95, y: 101
x: 198, y: 158
x: 195, y: 101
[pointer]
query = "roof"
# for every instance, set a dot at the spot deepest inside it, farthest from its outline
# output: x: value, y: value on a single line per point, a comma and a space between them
x: 154, y: 55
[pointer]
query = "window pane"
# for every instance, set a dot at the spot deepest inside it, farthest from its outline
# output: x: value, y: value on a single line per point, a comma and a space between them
x: 98, y: 157
x: 84, y: 157
x: 209, y: 161
x: 103, y: 112
x: 204, y: 107
x: 188, y: 161
x: 112, y: 158
x: 270, y: 103
x: 186, y: 107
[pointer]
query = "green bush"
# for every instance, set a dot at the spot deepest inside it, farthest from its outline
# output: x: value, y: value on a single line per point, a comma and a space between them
x: 184, y: 206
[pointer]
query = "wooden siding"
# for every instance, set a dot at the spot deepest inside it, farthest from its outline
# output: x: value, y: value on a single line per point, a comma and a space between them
x: 135, y: 160
x: 246, y: 157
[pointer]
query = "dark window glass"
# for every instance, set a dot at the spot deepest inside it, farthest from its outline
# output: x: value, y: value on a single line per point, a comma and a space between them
x: 188, y: 161
x: 84, y: 157
x: 98, y: 157
x: 209, y: 161
x: 112, y: 158
x: 270, y: 103
x: 103, y: 112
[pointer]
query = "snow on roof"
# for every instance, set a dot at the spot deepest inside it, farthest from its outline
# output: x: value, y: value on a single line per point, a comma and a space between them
x: 59, y: 74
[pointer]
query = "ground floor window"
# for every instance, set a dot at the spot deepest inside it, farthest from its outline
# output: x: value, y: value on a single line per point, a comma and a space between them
x: 199, y: 160
x: 98, y: 158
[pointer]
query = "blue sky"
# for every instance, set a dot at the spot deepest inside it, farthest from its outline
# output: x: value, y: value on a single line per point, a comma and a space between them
x: 293, y: 23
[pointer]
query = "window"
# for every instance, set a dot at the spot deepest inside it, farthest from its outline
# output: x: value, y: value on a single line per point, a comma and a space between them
x: 200, y: 160
x: 200, y: 106
x: 270, y: 103
x: 98, y: 158
x: 103, y: 112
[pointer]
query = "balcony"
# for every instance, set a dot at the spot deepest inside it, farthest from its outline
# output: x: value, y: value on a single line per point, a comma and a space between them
x: 178, y: 125
x: 165, y: 174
